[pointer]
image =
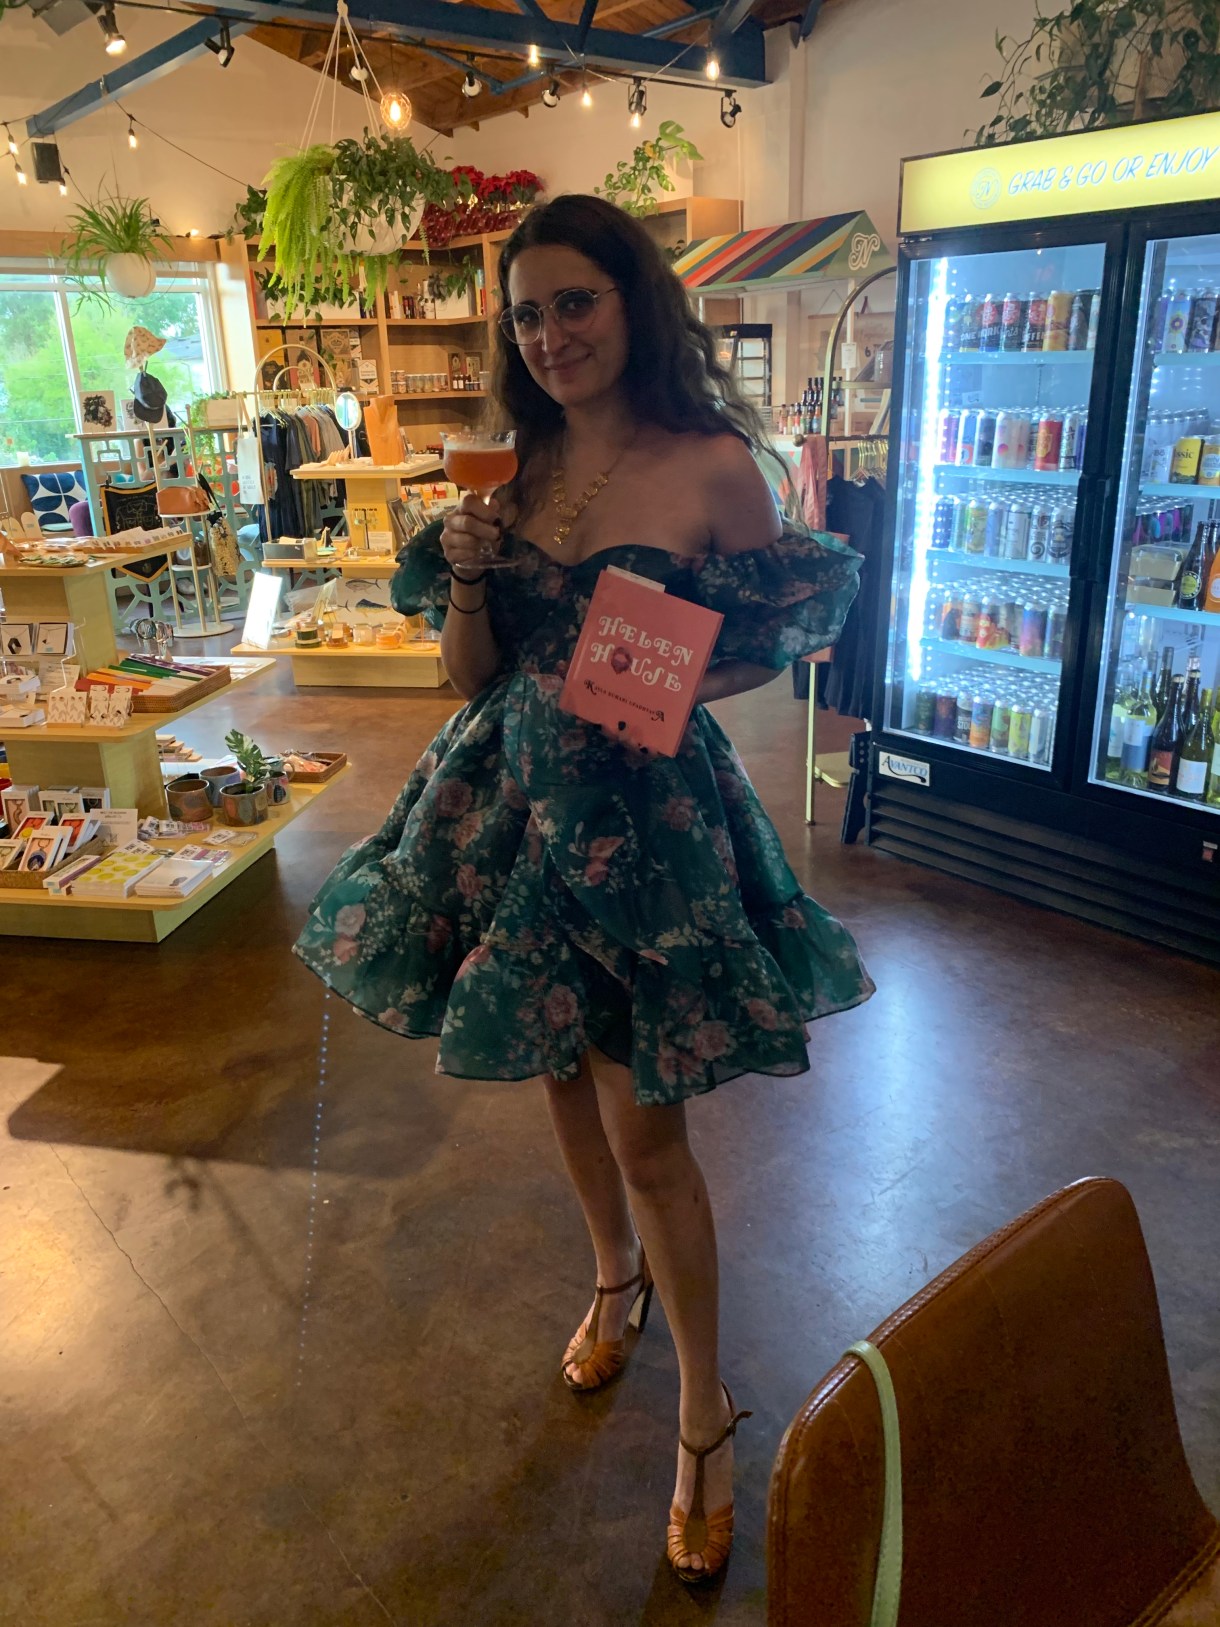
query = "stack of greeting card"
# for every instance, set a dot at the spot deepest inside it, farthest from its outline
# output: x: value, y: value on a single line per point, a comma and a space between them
x: 116, y: 875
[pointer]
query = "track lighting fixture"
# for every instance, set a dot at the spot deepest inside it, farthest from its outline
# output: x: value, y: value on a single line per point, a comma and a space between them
x: 730, y: 107
x: 111, y: 32
x: 550, y: 96
x: 471, y: 86
x: 395, y: 110
x: 637, y: 102
x: 222, y: 47
x: 533, y: 56
x: 712, y: 67
x: 63, y: 185
x: 133, y: 140
x: 12, y: 145
x: 358, y: 72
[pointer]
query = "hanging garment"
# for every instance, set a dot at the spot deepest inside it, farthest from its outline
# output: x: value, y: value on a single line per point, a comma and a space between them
x: 857, y: 511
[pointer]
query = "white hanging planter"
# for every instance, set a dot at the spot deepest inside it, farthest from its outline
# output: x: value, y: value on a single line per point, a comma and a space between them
x: 381, y: 238
x: 131, y: 275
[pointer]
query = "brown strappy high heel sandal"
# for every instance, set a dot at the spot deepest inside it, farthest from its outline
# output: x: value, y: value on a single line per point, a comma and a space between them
x: 605, y: 1360
x: 691, y: 1533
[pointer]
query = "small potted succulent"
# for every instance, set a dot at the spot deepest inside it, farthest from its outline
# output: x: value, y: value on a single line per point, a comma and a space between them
x: 246, y: 802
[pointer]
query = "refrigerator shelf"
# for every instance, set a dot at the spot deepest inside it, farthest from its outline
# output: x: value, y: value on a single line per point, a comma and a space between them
x: 1015, y: 358
x: 974, y: 751
x: 997, y: 658
x: 985, y: 562
x: 1190, y: 490
x: 1207, y: 620
x: 1014, y: 477
x: 1157, y: 796
x: 1186, y: 358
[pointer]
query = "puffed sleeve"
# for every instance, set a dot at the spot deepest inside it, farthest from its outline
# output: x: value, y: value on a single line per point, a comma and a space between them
x: 420, y: 585
x: 781, y: 602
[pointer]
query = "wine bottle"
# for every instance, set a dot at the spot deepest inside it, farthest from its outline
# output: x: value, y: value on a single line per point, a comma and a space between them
x: 1137, y: 735
x: 1192, y: 583
x: 1164, y: 683
x: 1212, y: 598
x: 1194, y: 757
x: 1213, y: 778
x: 1124, y: 694
x: 1165, y: 743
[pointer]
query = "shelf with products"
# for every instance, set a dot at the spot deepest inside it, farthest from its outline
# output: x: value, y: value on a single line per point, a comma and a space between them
x: 1010, y: 477
x: 1186, y: 358
x: 952, y: 558
x: 441, y: 395
x: 1013, y: 358
x: 1180, y: 489
x: 1011, y: 659
x: 415, y: 665
x: 1207, y: 621
x: 274, y: 325
x: 415, y: 323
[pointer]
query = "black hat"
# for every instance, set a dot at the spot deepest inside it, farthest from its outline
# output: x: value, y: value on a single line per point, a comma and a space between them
x: 148, y: 398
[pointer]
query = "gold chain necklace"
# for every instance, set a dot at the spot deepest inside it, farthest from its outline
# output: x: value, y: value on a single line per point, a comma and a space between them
x: 569, y: 513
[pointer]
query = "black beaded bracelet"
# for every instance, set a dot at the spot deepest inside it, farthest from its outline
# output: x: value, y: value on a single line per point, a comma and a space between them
x: 468, y: 581
x: 461, y: 609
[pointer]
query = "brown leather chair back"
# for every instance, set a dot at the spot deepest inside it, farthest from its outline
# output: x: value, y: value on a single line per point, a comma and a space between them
x: 1044, y: 1481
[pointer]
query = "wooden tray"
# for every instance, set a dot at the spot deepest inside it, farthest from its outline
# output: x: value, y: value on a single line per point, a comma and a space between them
x: 334, y: 760
x: 167, y: 705
x: 32, y: 880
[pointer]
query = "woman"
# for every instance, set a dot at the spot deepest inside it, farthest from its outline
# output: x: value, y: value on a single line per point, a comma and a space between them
x: 554, y: 904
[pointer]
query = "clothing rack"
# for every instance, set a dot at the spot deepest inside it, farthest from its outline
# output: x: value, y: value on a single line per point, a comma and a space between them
x: 877, y: 430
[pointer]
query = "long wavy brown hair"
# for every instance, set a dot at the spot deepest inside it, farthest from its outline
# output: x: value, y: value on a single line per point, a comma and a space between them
x: 673, y: 378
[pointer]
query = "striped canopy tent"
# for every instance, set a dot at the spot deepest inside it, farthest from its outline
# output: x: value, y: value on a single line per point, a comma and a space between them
x: 832, y: 249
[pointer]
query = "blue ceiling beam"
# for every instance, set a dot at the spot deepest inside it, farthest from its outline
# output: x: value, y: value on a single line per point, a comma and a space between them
x: 566, y: 65
x: 732, y: 14
x: 165, y: 58
x: 494, y: 85
x: 585, y: 24
x: 810, y: 17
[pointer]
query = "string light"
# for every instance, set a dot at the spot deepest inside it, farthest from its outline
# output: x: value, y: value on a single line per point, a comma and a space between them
x: 586, y: 97
x: 637, y: 102
x: 22, y: 177
x: 713, y: 66
x: 533, y: 56
x: 471, y: 86
x: 395, y: 110
x: 63, y: 185
x: 12, y: 145
x: 133, y: 140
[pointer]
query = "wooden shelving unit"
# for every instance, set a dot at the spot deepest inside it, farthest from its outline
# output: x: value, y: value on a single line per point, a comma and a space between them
x: 359, y: 666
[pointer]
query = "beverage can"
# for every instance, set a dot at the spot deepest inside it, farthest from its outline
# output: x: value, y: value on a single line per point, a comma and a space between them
x: 1010, y: 620
x: 945, y: 720
x: 984, y: 439
x: 947, y: 428
x: 943, y: 517
x: 1177, y: 323
x: 1078, y: 322
x: 965, y: 714
x: 1156, y: 328
x: 1201, y: 327
x: 1012, y: 322
x: 1033, y: 630
x: 1187, y: 458
x: 1035, y: 323
x: 967, y: 429
x: 953, y: 325
x: 972, y: 526
x: 1039, y: 735
x: 925, y: 709
x: 1017, y: 527
x: 993, y: 536
x: 991, y: 635
x: 1063, y: 523
x: 980, y: 722
x: 1039, y: 533
x: 1001, y: 722
x: 1048, y: 443
x: 972, y: 609
x: 1056, y: 631
x: 1007, y: 440
x: 1018, y: 729
x: 1209, y: 461
x: 1058, y: 320
x: 950, y: 628
x: 968, y: 325
x: 1160, y: 462
x: 1090, y: 342
x: 1071, y: 435
x: 990, y: 323
x: 1024, y: 441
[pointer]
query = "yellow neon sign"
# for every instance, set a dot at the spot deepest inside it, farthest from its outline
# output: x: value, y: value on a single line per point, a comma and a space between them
x: 1130, y: 167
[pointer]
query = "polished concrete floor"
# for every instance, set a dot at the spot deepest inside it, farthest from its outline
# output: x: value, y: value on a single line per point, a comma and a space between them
x: 281, y: 1313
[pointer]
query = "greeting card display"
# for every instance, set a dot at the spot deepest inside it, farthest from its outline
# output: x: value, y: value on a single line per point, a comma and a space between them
x: 640, y: 659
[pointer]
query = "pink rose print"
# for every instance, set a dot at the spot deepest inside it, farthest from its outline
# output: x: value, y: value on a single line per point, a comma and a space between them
x: 453, y: 798
x: 561, y: 1007
x: 720, y: 841
x: 392, y: 1018
x: 551, y: 585
x: 601, y: 849
x: 793, y: 918
x: 349, y: 920
x: 476, y: 957
x: 439, y: 933
x: 513, y: 795
x: 469, y: 883
x: 343, y: 949
x: 620, y: 661
x: 466, y: 829
x: 549, y: 683
x: 711, y: 1040
x: 763, y: 1013
x: 679, y: 813
x: 572, y: 741
x: 730, y: 787
x: 675, y: 1066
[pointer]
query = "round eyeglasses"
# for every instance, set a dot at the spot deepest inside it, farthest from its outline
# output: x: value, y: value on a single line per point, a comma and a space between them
x: 574, y: 309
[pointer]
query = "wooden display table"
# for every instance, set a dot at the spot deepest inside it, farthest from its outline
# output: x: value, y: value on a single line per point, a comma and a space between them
x: 370, y: 486
x: 358, y: 666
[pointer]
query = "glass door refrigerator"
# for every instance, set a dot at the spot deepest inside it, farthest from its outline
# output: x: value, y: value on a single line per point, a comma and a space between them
x: 1044, y: 704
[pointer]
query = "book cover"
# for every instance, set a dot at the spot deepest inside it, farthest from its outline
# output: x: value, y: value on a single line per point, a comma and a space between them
x: 640, y: 659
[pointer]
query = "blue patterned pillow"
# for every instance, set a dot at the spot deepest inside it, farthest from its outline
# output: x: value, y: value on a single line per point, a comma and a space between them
x: 52, y: 495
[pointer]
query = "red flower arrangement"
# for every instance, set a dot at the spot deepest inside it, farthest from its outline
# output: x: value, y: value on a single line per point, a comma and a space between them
x: 490, y: 203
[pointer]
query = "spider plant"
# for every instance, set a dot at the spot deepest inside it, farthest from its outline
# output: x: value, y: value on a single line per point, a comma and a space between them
x: 110, y: 225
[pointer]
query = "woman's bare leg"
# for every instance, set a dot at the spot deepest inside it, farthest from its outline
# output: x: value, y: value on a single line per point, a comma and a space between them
x: 594, y: 1173
x: 668, y: 1197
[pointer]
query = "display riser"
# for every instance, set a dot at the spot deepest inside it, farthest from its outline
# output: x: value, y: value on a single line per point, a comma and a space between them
x: 130, y: 768
x: 1073, y: 873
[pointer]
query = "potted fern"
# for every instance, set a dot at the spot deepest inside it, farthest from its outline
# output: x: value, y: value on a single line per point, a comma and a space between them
x: 336, y: 214
x: 114, y: 240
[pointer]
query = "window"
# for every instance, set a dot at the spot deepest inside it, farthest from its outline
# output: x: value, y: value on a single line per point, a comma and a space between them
x: 54, y: 344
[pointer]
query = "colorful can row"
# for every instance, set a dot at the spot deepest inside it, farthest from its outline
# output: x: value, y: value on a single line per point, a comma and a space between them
x: 1009, y: 438
x: 1186, y: 321
x: 1003, y: 528
x: 1005, y: 725
x: 1007, y: 323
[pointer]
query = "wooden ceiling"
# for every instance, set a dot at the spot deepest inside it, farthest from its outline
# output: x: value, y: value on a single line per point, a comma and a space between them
x: 434, y: 85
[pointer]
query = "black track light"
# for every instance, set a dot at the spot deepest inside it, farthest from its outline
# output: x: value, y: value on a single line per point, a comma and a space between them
x: 222, y: 47
x: 730, y: 107
x: 637, y: 102
x: 111, y: 32
x: 471, y: 86
x: 550, y: 96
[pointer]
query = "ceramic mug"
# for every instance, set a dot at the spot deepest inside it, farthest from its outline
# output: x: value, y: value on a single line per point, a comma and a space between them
x: 217, y: 779
x: 244, y: 807
x: 188, y: 798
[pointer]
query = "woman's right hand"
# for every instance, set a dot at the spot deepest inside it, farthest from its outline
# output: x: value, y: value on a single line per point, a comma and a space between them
x: 472, y: 534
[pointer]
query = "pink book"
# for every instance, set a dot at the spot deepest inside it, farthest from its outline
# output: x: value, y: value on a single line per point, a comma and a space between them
x: 640, y: 659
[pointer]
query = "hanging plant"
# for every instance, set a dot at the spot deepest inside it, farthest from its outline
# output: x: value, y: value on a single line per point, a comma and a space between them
x: 336, y: 215
x: 1105, y: 62
x: 112, y: 247
x: 248, y: 216
x: 634, y: 182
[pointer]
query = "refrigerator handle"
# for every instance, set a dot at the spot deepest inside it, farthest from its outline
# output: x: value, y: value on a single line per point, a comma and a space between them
x: 1095, y: 522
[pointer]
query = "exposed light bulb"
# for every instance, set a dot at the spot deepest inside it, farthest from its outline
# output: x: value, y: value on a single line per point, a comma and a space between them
x: 133, y: 140
x: 22, y: 177
x: 533, y: 56
x: 63, y: 188
x: 193, y: 231
x: 713, y: 66
x: 12, y: 145
x: 635, y: 121
x: 586, y: 97
x: 111, y: 32
x: 395, y: 110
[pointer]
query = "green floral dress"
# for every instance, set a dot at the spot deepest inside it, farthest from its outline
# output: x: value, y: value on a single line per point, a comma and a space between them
x: 539, y: 888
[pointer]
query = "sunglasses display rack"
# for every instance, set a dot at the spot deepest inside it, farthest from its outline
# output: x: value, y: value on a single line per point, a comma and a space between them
x: 123, y: 759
